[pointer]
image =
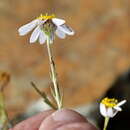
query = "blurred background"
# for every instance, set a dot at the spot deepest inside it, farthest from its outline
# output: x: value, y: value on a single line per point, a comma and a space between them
x: 87, y: 63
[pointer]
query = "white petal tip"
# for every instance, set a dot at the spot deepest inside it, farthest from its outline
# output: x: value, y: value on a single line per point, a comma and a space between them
x: 25, y: 29
x: 31, y: 42
x: 124, y: 101
x: 20, y: 32
x: 72, y: 33
x: 66, y: 29
x: 58, y: 21
x: 118, y: 108
x: 121, y: 103
x: 41, y: 43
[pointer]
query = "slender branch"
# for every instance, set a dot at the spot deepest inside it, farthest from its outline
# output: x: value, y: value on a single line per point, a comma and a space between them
x: 56, y: 91
x: 46, y: 100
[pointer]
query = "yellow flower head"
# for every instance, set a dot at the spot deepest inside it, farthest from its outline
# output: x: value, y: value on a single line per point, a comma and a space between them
x: 109, y: 102
x: 46, y: 17
x: 109, y: 107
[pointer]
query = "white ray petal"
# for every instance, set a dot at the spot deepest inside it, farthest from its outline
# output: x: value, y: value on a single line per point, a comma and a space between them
x: 121, y: 103
x: 58, y: 22
x: 118, y: 108
x: 35, y: 34
x: 66, y: 29
x: 103, y: 110
x: 27, y: 27
x: 110, y: 112
x: 42, y: 37
x: 60, y: 34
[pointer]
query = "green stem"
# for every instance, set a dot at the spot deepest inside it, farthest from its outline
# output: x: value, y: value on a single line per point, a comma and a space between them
x: 56, y: 90
x: 3, y: 114
x: 43, y: 95
x: 106, y: 123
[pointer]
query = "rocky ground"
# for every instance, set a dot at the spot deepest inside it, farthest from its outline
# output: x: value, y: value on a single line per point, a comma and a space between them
x: 87, y: 63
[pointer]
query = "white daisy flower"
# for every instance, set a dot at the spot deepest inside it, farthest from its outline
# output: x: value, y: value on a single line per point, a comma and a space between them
x: 46, y: 25
x: 110, y: 107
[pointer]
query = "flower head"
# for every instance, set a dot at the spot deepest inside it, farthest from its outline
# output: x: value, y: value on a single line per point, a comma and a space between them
x: 109, y: 107
x: 46, y: 17
x: 46, y: 25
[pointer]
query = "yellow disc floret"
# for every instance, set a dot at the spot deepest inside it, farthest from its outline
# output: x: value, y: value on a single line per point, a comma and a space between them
x: 109, y: 102
x: 46, y: 17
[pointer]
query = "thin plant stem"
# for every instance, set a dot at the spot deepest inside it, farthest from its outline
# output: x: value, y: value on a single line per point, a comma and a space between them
x: 55, y: 91
x: 44, y: 96
x: 106, y: 123
x: 3, y: 114
x: 4, y: 120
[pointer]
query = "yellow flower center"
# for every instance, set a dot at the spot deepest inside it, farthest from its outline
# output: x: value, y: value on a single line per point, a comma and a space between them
x: 46, y: 17
x: 109, y: 102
